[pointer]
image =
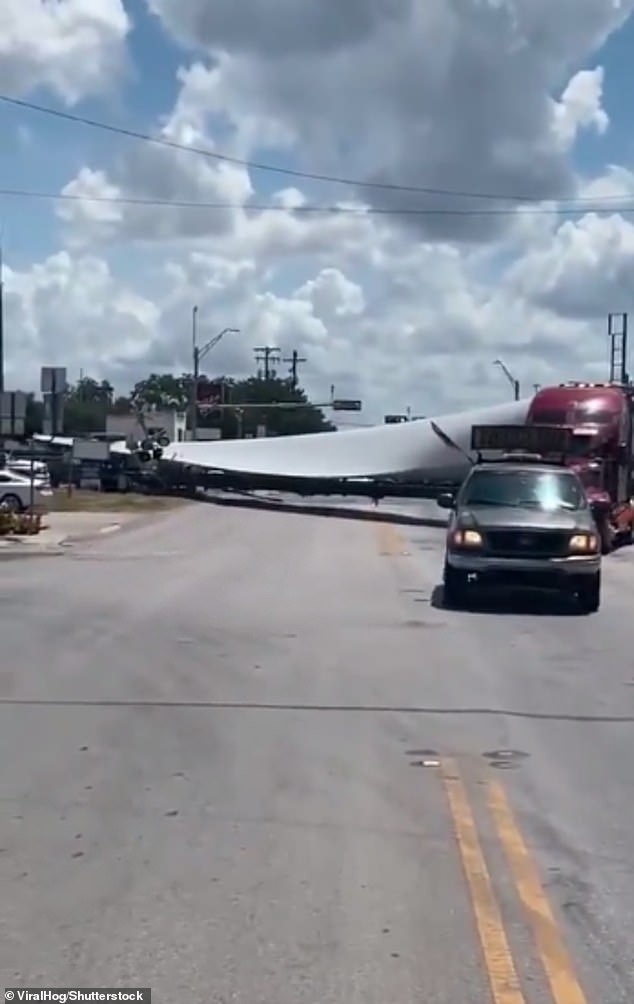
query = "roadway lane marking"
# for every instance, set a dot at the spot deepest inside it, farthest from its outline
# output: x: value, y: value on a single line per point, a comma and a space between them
x: 554, y: 957
x: 392, y: 544
x: 505, y: 986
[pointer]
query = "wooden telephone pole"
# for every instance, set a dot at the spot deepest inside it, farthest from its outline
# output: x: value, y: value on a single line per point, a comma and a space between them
x: 294, y: 361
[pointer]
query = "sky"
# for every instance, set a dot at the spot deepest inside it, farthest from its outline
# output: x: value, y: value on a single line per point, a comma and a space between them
x: 402, y: 190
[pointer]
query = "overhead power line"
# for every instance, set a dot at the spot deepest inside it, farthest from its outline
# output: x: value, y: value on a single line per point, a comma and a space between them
x: 289, y: 172
x: 17, y: 193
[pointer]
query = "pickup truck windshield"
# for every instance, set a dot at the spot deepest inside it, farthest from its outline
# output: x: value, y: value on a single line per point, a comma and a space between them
x: 547, y: 490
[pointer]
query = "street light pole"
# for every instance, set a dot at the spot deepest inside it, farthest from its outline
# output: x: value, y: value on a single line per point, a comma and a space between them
x: 198, y: 353
x: 193, y: 394
x: 515, y: 384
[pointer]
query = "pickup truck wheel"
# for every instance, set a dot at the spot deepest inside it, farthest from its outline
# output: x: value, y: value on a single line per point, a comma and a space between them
x: 589, y: 593
x: 454, y: 587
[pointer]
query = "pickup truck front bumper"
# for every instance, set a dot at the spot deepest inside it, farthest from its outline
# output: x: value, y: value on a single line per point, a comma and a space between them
x: 553, y: 572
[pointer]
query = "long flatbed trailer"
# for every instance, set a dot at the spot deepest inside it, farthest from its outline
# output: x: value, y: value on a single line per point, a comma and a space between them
x: 177, y: 477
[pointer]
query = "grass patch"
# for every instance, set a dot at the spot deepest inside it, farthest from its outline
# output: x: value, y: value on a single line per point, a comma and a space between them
x: 81, y: 500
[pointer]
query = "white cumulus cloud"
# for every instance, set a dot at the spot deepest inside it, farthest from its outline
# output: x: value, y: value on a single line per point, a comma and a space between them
x: 72, y: 47
x: 398, y: 308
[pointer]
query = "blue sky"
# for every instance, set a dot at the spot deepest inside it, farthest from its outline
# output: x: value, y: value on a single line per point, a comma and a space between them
x: 617, y: 145
x: 463, y: 298
x: 55, y: 150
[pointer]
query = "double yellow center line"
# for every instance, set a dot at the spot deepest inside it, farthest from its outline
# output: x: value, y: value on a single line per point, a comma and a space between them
x: 502, y: 973
x: 503, y: 979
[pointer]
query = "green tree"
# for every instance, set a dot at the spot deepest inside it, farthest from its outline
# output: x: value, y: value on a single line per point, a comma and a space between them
x: 86, y: 406
x: 304, y: 418
x: 95, y: 391
x: 121, y: 406
x: 162, y: 390
x: 89, y: 401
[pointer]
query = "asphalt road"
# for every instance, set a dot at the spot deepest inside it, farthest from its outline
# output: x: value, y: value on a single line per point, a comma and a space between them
x: 247, y: 757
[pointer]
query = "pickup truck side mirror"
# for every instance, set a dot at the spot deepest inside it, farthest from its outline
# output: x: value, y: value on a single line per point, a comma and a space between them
x: 446, y: 500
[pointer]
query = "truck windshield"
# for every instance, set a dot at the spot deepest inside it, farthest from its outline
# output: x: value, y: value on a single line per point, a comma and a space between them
x: 547, y: 490
x: 578, y: 415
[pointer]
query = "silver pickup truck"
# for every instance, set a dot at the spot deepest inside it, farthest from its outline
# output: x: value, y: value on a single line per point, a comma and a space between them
x: 517, y: 522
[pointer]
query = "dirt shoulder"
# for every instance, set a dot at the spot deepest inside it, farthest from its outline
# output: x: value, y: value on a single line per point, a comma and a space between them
x: 109, y: 502
x: 84, y: 516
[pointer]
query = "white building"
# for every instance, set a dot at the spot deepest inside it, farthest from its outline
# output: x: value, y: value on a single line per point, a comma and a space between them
x: 169, y: 423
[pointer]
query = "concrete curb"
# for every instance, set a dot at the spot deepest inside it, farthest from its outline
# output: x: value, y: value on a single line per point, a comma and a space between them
x: 19, y: 549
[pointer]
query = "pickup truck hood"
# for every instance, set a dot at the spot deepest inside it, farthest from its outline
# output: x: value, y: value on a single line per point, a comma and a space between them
x: 499, y: 517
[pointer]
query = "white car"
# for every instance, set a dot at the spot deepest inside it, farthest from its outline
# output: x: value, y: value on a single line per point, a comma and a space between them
x: 15, y: 492
x: 25, y: 468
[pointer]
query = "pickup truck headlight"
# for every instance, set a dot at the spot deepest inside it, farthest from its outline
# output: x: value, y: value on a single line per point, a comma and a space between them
x: 584, y: 543
x: 466, y: 538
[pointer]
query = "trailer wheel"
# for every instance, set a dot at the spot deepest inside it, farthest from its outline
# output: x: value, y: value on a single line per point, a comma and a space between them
x: 589, y: 593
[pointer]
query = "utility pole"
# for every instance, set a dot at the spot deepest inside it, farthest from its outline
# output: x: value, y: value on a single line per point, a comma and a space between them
x: 294, y: 360
x: 1, y: 320
x: 515, y: 384
x: 198, y: 353
x: 266, y: 354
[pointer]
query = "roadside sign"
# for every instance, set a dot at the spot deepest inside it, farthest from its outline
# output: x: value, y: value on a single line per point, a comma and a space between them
x: 54, y: 387
x: 94, y: 450
x: 53, y: 422
x: 53, y: 380
x: 342, y: 404
x: 12, y: 413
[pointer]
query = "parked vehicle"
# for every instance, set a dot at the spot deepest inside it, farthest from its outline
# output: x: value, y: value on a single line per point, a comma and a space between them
x: 17, y: 493
x: 24, y: 468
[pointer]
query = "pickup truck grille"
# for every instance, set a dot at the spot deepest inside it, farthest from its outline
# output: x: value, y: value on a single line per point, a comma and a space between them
x: 529, y: 543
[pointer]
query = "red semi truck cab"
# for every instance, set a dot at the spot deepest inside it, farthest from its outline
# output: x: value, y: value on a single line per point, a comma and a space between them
x: 600, y: 415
